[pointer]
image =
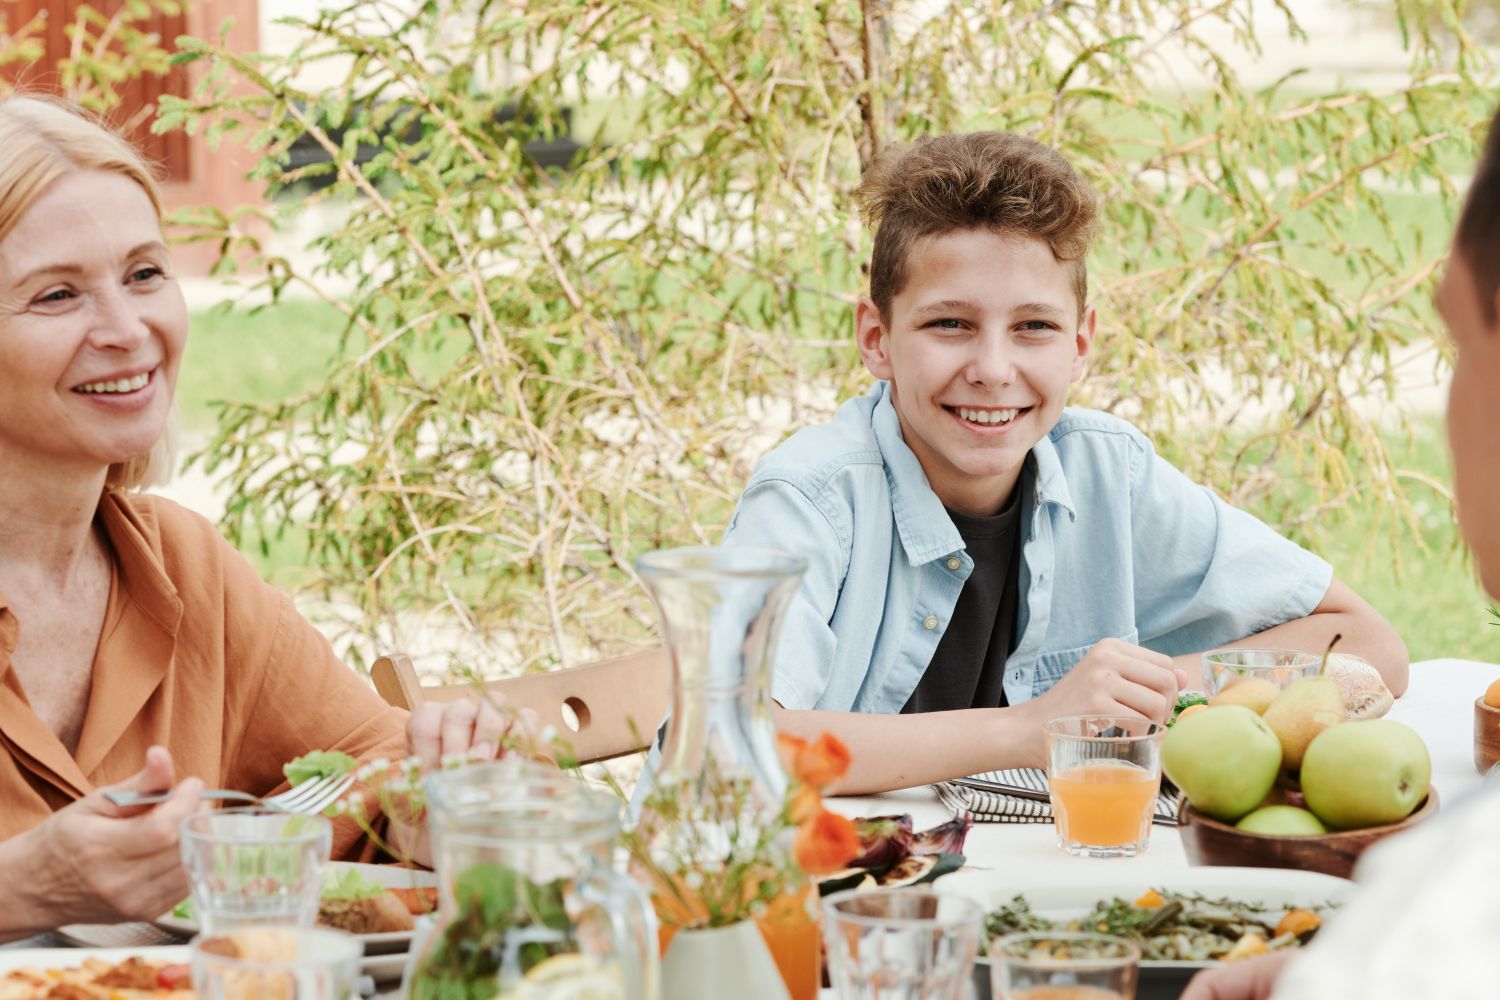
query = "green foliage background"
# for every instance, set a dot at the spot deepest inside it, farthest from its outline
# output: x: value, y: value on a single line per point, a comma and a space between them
x: 620, y: 341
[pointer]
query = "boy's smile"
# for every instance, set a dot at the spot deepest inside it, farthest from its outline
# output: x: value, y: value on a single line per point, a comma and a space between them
x: 980, y: 347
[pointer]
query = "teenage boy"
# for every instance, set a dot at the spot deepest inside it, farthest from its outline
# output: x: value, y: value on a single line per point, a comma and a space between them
x: 1423, y: 923
x: 981, y: 559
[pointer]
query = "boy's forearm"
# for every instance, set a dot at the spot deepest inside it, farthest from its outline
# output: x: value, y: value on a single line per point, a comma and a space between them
x: 1365, y: 633
x: 902, y: 751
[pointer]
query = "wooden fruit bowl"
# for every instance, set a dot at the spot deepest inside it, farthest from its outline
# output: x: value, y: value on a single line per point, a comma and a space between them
x: 1486, y: 736
x: 1210, y: 842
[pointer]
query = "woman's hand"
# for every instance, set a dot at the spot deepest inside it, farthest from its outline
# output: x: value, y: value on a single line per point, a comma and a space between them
x: 437, y: 731
x: 440, y: 730
x: 1248, y: 979
x: 93, y: 861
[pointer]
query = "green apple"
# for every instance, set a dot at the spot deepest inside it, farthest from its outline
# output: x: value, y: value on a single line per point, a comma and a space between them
x: 1365, y: 772
x: 1224, y: 758
x: 1283, y: 821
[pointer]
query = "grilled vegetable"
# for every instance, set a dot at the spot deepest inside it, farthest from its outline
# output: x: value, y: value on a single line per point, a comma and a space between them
x: 1171, y: 926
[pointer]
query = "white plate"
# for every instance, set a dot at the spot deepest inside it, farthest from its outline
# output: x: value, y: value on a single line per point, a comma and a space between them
x: 381, y: 968
x: 66, y: 958
x: 375, y: 944
x: 1067, y: 892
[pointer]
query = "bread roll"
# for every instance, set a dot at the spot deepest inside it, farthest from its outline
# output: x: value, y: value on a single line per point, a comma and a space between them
x: 382, y: 914
x: 1364, y: 690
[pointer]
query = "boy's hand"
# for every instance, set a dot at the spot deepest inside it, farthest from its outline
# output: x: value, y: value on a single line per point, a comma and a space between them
x: 1116, y: 678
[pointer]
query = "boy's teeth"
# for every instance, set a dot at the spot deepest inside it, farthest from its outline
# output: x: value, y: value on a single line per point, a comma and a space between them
x: 118, y: 384
x: 987, y: 416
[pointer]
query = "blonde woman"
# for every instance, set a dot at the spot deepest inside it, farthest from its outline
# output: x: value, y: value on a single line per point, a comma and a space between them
x: 137, y: 648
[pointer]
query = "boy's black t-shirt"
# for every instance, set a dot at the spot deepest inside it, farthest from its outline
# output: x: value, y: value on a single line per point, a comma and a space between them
x: 968, y: 666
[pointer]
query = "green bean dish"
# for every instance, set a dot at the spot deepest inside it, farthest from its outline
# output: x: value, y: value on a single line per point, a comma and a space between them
x: 1176, y: 927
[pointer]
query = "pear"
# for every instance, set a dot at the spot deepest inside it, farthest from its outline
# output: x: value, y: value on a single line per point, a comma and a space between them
x: 1255, y: 693
x: 1306, y: 708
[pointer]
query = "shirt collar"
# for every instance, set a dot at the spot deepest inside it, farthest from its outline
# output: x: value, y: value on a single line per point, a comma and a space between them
x: 926, y: 530
x: 139, y: 563
x: 146, y: 633
x: 1051, y: 481
x: 139, y: 566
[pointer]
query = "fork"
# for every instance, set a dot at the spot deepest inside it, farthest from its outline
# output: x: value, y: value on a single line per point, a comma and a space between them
x: 310, y: 797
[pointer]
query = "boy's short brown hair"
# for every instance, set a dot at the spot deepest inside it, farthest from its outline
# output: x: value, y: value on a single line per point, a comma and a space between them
x: 1478, y: 237
x: 995, y: 181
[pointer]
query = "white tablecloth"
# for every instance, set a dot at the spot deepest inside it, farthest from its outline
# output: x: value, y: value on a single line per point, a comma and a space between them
x: 1438, y: 705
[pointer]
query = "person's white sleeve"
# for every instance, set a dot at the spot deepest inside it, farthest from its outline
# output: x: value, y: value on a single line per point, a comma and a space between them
x: 1424, y: 921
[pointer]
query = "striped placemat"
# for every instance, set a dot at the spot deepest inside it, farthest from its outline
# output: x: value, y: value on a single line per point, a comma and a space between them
x: 1019, y: 795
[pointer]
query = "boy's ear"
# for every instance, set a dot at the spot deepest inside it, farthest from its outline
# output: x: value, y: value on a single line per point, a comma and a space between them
x: 1084, y: 339
x: 869, y: 333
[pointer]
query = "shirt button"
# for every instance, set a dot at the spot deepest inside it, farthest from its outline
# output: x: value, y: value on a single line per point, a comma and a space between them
x: 953, y: 562
x: 930, y: 622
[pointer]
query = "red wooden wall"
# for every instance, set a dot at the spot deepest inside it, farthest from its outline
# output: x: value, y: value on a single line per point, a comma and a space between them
x: 138, y: 97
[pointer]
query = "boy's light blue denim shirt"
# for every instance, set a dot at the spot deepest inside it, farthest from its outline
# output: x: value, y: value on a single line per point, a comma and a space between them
x: 1117, y: 542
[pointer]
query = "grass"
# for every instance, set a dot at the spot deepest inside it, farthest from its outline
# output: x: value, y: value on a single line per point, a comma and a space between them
x: 261, y: 357
x: 1424, y: 584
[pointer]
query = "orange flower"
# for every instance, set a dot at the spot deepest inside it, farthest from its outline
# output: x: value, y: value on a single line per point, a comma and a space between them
x: 805, y: 803
x: 787, y: 748
x: 825, y: 843
x: 821, y: 762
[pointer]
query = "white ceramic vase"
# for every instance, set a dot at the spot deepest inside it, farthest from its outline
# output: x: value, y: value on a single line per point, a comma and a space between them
x: 725, y: 963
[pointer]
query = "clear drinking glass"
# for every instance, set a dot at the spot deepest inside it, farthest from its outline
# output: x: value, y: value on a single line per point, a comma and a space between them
x: 1223, y: 667
x: 1063, y: 966
x: 276, y: 963
x: 1103, y: 773
x: 254, y: 867
x: 901, y: 944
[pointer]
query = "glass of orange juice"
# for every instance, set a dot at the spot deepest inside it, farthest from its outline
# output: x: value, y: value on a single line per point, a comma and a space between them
x: 1063, y: 966
x: 1104, y: 773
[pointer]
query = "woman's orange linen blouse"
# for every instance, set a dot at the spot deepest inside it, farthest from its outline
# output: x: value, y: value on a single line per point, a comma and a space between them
x: 197, y: 654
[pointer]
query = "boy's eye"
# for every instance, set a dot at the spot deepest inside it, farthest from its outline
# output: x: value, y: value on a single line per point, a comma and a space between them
x: 1036, y: 324
x: 946, y: 324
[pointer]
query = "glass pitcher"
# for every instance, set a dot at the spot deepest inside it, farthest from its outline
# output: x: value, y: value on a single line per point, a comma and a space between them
x: 719, y: 783
x: 529, y: 905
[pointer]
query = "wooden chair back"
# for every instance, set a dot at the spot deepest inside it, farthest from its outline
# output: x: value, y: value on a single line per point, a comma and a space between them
x: 605, y: 709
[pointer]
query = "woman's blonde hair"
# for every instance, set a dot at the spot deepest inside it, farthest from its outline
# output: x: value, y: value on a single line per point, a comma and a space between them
x: 43, y: 139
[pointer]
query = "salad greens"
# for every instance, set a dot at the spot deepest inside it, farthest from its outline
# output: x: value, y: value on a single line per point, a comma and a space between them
x: 318, y: 764
x: 338, y: 883
x: 1186, y: 700
x: 350, y: 883
x: 504, y: 925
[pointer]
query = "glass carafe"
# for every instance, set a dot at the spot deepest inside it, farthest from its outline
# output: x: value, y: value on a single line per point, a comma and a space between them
x: 719, y: 783
x: 529, y: 904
